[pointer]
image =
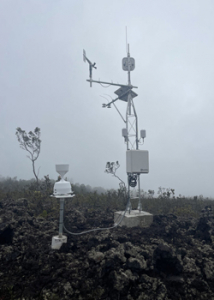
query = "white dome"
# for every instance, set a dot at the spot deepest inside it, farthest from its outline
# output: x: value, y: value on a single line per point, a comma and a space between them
x: 62, y: 187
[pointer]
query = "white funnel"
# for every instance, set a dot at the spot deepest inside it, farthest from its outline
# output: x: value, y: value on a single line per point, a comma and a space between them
x: 62, y: 169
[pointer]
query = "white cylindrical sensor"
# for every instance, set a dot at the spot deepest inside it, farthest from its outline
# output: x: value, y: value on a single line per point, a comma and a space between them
x: 143, y: 133
x: 124, y: 132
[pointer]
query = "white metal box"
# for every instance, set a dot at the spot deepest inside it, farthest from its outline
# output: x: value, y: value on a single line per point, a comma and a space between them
x: 137, y: 161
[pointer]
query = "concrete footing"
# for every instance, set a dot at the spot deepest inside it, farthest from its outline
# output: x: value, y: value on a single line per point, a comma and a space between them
x: 134, y: 218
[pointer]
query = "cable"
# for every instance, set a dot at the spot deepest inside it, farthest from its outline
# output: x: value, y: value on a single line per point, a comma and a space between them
x: 98, y: 229
x: 104, y: 85
x: 141, y: 143
x: 110, y: 168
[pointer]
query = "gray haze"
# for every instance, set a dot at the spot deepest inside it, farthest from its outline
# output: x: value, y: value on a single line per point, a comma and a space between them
x: 43, y: 84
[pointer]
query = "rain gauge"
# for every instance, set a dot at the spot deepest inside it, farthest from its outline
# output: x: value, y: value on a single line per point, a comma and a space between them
x: 62, y: 190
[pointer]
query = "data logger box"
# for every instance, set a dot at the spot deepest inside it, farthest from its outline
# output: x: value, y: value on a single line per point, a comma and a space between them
x: 137, y: 161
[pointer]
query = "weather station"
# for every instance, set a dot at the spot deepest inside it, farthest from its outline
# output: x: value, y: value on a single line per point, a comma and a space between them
x: 137, y: 161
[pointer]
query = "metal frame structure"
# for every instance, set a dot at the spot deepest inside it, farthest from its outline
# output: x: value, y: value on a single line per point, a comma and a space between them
x: 124, y: 93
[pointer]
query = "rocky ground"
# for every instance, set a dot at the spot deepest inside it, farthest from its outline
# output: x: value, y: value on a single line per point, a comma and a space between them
x: 172, y: 259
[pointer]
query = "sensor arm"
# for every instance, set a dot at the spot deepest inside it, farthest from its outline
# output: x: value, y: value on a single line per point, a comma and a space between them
x: 110, y: 83
x: 104, y: 105
x: 112, y: 102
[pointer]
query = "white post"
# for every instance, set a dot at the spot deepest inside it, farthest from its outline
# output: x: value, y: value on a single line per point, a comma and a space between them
x: 61, y: 213
x: 139, y: 195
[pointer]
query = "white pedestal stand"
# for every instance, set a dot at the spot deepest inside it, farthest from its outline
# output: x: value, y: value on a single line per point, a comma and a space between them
x: 58, y: 240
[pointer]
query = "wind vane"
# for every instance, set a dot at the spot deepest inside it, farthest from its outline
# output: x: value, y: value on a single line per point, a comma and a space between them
x: 90, y: 66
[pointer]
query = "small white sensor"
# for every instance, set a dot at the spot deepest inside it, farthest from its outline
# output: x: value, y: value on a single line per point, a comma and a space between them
x: 143, y: 133
x: 124, y: 132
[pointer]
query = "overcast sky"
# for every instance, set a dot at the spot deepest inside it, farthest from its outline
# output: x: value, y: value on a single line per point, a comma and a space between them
x: 43, y: 84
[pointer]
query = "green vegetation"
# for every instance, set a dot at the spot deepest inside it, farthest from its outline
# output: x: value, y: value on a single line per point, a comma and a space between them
x: 41, y: 204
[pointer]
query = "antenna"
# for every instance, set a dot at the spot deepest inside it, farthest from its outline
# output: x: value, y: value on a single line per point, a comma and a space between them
x: 126, y: 41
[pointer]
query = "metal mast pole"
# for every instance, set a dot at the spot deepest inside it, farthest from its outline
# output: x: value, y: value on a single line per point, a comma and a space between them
x: 132, y: 130
x: 124, y: 93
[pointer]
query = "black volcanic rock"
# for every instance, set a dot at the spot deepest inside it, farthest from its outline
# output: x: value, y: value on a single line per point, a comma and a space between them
x: 172, y: 259
x: 203, y: 230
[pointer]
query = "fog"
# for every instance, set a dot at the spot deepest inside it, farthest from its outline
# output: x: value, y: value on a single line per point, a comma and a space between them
x: 43, y: 84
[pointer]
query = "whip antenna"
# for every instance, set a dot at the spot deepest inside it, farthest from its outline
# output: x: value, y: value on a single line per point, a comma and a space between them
x: 126, y: 41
